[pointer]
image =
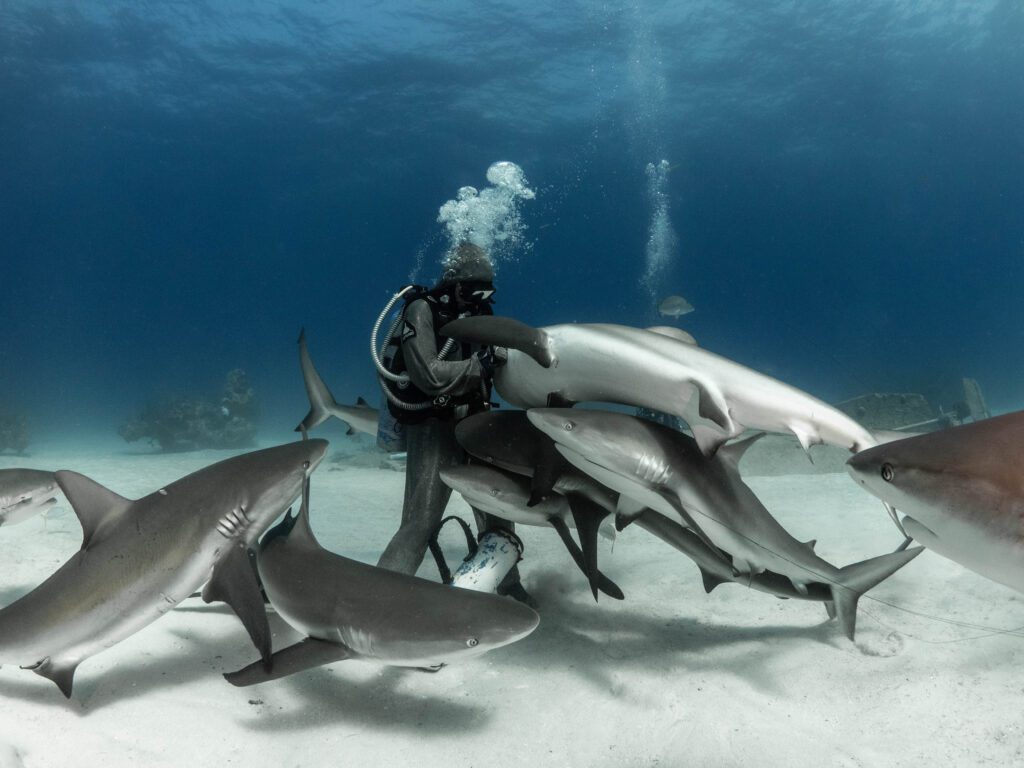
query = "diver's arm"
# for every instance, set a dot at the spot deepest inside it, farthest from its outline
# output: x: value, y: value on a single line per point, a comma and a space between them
x: 433, y: 376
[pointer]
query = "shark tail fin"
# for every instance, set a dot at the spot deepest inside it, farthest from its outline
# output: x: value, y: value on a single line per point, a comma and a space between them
x: 854, y: 580
x: 321, y: 401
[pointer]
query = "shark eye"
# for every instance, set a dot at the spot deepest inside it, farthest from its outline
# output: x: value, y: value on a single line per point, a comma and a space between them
x: 305, y: 465
x: 472, y: 642
x: 494, y: 491
x: 888, y: 473
x: 568, y: 426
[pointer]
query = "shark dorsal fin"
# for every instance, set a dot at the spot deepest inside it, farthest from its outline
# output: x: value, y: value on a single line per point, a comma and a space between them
x: 94, y: 504
x: 673, y: 333
x: 810, y: 544
x: 733, y: 452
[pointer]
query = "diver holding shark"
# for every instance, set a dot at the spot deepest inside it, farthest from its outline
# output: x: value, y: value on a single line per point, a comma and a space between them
x: 439, y: 384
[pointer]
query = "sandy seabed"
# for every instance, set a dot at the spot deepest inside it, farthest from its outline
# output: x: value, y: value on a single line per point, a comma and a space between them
x: 669, y: 677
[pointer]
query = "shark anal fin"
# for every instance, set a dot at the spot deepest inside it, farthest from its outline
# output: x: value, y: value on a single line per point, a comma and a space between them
x: 305, y: 655
x: 604, y: 584
x: 62, y: 675
x: 234, y: 582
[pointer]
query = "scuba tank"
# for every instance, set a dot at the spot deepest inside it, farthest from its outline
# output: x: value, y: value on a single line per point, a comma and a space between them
x: 498, y: 550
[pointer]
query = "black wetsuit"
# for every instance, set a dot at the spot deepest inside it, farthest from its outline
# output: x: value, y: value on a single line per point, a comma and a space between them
x: 431, y: 443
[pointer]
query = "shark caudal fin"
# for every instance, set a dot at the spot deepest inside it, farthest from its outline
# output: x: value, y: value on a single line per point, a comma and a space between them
x: 854, y: 580
x: 502, y: 332
x: 321, y: 401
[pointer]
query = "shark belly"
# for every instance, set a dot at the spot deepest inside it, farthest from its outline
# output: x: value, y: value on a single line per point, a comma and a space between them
x: 982, y: 550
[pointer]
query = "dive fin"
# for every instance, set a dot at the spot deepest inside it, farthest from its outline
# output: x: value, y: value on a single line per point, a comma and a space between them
x: 587, y: 516
x: 604, y: 584
x: 854, y: 580
x: 502, y: 332
x: 234, y: 582
x: 94, y: 504
x: 295, y: 658
x: 62, y: 675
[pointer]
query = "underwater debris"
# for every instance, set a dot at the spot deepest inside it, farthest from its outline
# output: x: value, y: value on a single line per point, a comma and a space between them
x: 912, y: 412
x: 13, y: 433
x: 180, y: 423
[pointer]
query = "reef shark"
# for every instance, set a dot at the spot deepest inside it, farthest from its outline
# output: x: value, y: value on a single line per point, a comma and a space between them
x: 351, y: 610
x: 141, y: 558
x: 507, y: 496
x: 718, y: 398
x: 361, y: 417
x: 664, y: 468
x: 962, y: 490
x: 25, y: 493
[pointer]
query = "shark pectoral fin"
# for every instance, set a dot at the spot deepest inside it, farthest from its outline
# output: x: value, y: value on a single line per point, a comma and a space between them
x: 713, y: 407
x: 305, y: 655
x: 234, y: 582
x: 94, y: 504
x: 604, y: 584
x: 854, y: 580
x: 557, y: 400
x: 549, y: 468
x: 587, y: 516
x: 62, y: 674
x: 710, y: 580
x: 709, y: 439
x: 502, y: 332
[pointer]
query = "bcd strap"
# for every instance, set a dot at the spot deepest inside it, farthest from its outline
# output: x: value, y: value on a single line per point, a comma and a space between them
x: 435, y: 548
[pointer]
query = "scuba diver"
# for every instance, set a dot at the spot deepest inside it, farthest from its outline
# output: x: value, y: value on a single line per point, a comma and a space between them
x: 440, y: 383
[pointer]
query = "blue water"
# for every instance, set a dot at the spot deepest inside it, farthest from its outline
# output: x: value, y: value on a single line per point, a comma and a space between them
x: 184, y: 185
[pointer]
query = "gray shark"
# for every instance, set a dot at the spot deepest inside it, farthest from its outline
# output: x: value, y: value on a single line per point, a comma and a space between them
x: 351, y: 610
x: 361, y: 417
x: 665, y: 468
x: 25, y: 493
x: 718, y: 398
x: 962, y: 490
x: 141, y: 558
x: 507, y: 496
